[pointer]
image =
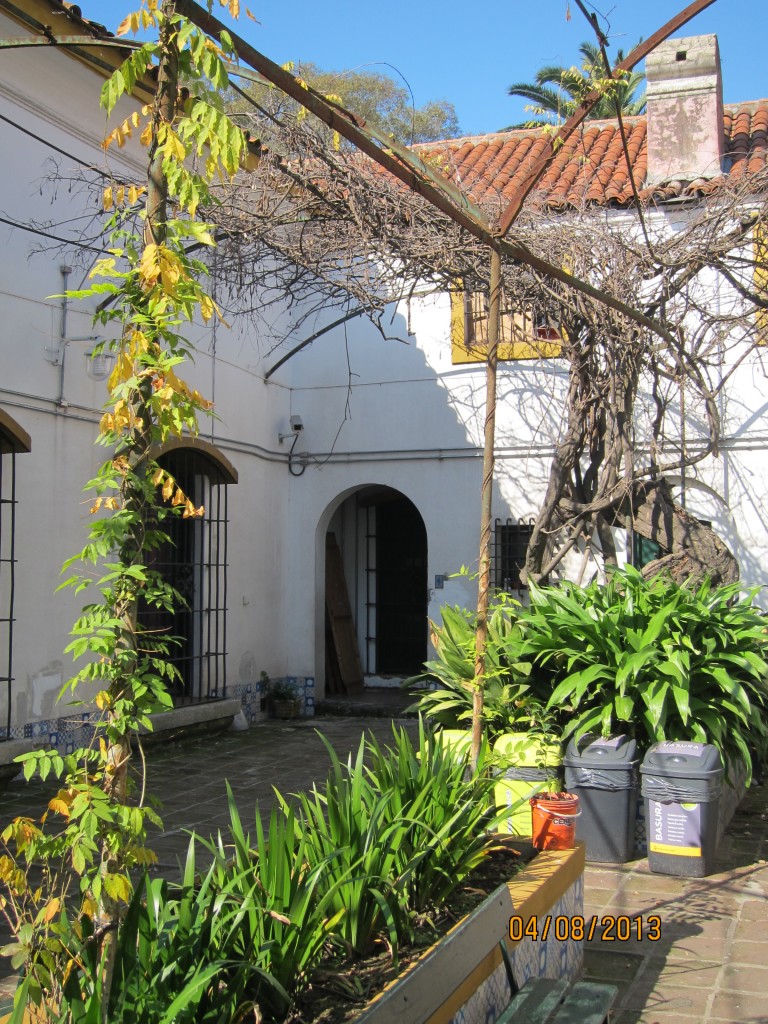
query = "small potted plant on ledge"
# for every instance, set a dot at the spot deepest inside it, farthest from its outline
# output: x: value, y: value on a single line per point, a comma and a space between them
x: 284, y: 700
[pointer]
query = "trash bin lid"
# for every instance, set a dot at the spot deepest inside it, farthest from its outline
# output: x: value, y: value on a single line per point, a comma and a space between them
x: 681, y: 759
x: 608, y: 753
x: 523, y: 750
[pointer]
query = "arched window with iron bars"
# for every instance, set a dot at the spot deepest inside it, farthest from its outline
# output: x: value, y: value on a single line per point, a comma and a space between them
x: 13, y: 441
x: 193, y: 560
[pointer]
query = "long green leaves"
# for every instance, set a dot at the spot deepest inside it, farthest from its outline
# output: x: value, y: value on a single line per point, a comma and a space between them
x: 646, y: 656
x: 394, y: 830
x: 669, y: 661
x: 281, y: 901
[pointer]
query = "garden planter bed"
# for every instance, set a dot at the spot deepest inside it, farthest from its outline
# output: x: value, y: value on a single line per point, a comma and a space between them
x: 463, y: 973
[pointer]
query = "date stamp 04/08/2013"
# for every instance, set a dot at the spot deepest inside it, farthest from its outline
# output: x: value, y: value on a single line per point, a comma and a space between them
x: 609, y: 928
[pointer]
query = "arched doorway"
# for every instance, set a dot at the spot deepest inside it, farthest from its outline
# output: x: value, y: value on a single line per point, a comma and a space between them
x: 193, y: 560
x: 376, y: 544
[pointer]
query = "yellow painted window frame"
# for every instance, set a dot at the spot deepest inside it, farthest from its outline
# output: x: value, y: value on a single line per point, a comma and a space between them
x: 518, y: 339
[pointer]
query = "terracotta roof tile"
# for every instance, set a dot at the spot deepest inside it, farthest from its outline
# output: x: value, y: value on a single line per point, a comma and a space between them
x: 591, y: 167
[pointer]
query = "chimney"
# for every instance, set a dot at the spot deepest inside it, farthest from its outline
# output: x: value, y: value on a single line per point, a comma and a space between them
x: 685, y: 110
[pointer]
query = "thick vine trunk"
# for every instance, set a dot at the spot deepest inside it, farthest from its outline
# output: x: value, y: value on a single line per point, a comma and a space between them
x: 693, y: 549
x: 133, y: 492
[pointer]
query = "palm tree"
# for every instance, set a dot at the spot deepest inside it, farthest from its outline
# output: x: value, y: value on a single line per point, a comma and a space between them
x: 558, y: 91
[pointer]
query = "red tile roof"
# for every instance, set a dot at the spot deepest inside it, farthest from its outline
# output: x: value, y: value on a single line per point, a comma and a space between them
x: 591, y: 166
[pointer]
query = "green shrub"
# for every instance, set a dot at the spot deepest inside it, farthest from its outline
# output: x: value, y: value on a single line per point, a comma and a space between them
x: 670, y: 662
x: 175, y: 960
x: 280, y: 900
x: 352, y: 840
x: 650, y: 657
x: 513, y: 697
x: 448, y: 815
x: 396, y: 835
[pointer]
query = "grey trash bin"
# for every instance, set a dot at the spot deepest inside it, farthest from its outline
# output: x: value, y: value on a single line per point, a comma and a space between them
x: 681, y: 787
x: 603, y: 774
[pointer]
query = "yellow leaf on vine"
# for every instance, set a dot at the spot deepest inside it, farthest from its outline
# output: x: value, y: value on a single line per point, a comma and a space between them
x: 103, y: 268
x: 167, y: 488
x: 146, y: 136
x: 202, y: 403
x: 149, y: 266
x: 107, y: 201
x: 102, y: 701
x: 207, y: 307
x: 52, y: 908
x: 179, y: 497
x: 139, y: 344
x: 190, y: 512
x: 121, y: 372
x: 157, y: 477
x: 174, y: 147
x: 59, y: 806
x: 96, y: 505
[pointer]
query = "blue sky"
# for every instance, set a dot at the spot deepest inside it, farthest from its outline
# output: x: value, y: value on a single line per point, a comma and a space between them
x: 470, y: 53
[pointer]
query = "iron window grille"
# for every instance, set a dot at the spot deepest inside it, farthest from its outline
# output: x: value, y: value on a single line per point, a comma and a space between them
x: 13, y: 440
x: 509, y: 545
x: 193, y: 560
x: 7, y: 583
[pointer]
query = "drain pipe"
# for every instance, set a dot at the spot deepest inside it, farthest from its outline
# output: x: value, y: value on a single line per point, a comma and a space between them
x: 61, y: 354
x: 63, y: 341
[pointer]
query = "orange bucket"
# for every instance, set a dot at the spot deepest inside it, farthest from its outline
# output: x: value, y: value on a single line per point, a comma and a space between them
x: 554, y: 821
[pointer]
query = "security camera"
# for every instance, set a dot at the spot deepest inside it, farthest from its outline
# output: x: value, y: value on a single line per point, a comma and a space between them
x: 297, y: 425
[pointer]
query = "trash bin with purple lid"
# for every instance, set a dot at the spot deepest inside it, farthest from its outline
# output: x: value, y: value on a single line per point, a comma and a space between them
x: 681, y: 788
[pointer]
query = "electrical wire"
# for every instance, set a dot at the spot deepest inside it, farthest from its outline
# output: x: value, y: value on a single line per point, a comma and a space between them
x: 51, y: 145
x: 50, y: 235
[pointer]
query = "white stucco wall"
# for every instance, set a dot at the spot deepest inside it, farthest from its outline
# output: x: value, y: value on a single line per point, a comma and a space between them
x: 376, y: 412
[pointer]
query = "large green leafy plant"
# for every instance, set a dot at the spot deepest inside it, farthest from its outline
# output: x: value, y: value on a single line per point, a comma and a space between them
x: 514, y: 697
x: 669, y: 661
x: 650, y: 657
x: 395, y: 834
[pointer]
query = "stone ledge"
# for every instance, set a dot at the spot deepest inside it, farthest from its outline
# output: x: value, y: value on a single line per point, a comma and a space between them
x: 9, y: 749
x: 213, y: 716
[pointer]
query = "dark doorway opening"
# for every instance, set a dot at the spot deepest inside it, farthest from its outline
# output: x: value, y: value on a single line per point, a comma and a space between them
x: 401, y: 588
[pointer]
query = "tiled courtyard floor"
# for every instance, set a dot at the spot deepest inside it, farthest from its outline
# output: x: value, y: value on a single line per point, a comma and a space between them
x: 710, y: 964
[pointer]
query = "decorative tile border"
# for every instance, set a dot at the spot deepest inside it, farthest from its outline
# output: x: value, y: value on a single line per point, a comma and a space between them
x: 462, y: 979
x: 67, y: 733
x: 71, y: 732
x: 253, y: 696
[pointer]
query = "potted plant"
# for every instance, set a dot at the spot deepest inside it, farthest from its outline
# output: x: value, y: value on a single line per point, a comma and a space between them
x: 284, y: 700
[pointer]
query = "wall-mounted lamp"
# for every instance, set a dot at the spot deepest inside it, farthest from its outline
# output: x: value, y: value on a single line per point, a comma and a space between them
x: 297, y: 425
x: 98, y: 365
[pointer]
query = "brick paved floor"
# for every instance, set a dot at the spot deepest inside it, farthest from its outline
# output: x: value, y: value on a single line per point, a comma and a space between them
x: 710, y: 965
x: 711, y: 962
